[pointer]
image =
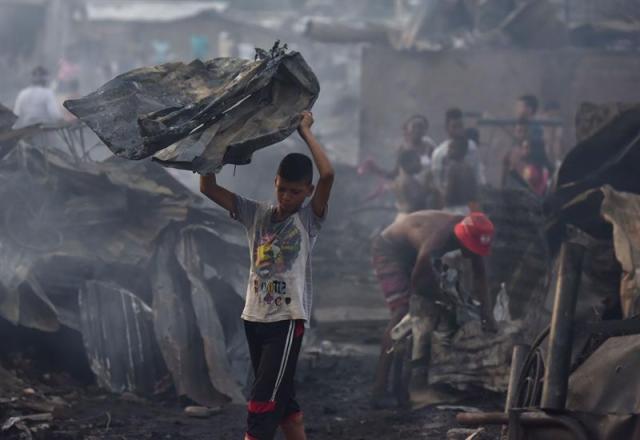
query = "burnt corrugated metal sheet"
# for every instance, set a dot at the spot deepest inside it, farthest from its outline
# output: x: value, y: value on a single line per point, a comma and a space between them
x: 201, y: 115
x: 608, y: 155
x: 63, y: 225
x: 188, y: 319
x: 117, y: 330
x: 608, y: 381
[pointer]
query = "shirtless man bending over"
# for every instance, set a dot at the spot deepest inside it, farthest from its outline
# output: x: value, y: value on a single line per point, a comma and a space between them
x: 403, y: 258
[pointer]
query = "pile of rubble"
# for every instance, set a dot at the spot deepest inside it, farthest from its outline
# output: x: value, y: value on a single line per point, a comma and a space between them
x: 582, y: 369
x: 123, y: 255
x: 23, y: 408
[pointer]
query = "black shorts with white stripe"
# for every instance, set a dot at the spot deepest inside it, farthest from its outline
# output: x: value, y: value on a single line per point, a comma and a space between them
x: 274, y: 348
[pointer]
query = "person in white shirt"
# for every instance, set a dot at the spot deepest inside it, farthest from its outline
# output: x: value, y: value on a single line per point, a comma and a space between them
x: 456, y: 150
x: 415, y: 150
x: 37, y: 103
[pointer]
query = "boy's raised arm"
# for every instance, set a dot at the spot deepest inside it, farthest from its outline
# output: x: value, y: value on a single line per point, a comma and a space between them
x: 325, y: 169
x: 221, y: 196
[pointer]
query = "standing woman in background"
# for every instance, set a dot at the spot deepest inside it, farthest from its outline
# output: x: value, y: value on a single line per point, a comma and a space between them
x: 537, y: 169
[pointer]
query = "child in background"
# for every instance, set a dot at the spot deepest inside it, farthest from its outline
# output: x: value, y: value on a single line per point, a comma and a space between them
x: 535, y: 168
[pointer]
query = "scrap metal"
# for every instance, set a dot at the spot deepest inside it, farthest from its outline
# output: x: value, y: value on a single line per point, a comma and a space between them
x: 202, y: 115
x: 80, y: 247
x: 597, y: 192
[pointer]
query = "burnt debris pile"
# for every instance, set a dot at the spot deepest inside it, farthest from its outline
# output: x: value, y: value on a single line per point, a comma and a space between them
x: 580, y: 373
x: 114, y: 271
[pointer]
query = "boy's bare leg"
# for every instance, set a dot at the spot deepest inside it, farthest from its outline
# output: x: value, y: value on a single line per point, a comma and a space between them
x: 384, y: 361
x: 293, y: 429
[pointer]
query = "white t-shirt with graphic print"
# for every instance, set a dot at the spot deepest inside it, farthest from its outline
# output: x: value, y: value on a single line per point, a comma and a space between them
x: 280, y: 277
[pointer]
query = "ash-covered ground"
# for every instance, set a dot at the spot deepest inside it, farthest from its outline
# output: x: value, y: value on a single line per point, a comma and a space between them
x: 334, y: 381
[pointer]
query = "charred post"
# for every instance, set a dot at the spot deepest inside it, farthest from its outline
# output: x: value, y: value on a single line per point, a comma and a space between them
x: 554, y: 393
x: 517, y: 361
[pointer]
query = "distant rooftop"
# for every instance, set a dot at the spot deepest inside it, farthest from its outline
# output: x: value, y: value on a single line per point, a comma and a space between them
x: 157, y: 11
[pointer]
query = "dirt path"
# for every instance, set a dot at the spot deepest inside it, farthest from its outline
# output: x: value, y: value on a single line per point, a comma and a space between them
x: 333, y: 388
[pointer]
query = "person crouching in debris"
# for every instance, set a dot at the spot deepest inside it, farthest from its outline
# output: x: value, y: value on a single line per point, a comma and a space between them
x: 278, y: 300
x: 404, y: 255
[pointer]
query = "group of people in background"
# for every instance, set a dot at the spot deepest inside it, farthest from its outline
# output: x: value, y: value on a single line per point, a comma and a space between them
x: 448, y: 176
